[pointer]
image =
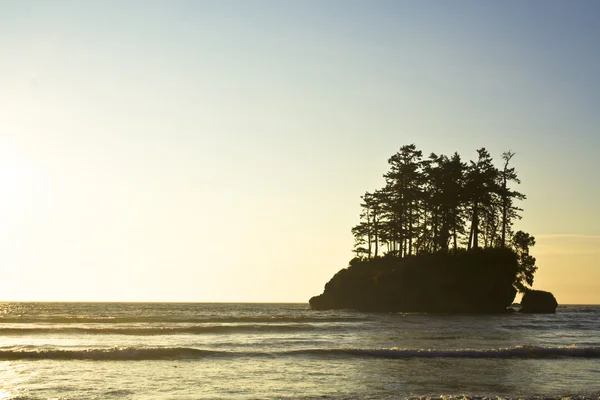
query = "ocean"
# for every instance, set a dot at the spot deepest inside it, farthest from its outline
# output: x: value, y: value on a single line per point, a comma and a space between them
x: 269, y: 351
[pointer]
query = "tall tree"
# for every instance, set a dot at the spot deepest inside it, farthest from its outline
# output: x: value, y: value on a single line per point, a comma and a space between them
x: 480, y: 187
x: 433, y: 211
x: 405, y: 179
x: 454, y: 195
x: 521, y: 243
x: 362, y: 237
x: 372, y: 206
x: 507, y: 196
x: 364, y: 231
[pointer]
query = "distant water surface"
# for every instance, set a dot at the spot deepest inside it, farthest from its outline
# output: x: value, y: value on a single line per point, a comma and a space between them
x: 240, y: 351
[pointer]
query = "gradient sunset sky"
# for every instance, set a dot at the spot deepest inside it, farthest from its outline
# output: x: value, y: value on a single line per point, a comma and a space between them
x: 217, y: 150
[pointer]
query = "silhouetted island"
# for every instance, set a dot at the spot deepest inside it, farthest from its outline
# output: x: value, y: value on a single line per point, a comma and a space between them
x: 438, y: 238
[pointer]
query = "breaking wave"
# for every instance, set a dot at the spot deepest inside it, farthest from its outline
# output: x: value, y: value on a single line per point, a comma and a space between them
x: 158, y: 330
x: 128, y: 353
x: 176, y: 319
x: 176, y: 353
x: 523, y: 352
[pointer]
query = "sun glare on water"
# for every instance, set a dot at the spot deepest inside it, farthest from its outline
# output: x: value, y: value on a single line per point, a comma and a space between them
x: 12, y: 375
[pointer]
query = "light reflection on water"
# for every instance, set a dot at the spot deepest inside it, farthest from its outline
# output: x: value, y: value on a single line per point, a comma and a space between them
x: 14, y: 376
x: 264, y: 360
x: 251, y: 378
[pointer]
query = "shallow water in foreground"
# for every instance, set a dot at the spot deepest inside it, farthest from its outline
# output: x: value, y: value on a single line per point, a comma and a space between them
x: 191, y: 351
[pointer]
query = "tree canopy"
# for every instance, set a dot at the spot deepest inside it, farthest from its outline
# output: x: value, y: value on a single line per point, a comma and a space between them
x: 440, y: 203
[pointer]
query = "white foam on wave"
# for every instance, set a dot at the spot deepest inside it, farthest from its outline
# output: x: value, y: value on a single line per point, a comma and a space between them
x: 571, y: 396
x: 587, y: 396
x: 174, y: 353
x: 158, y: 330
x: 113, y: 354
x: 525, y: 352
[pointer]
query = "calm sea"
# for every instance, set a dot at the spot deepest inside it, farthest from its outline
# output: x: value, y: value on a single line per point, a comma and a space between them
x: 263, y: 351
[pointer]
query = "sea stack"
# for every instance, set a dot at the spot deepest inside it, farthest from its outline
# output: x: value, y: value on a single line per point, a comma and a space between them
x: 538, y: 301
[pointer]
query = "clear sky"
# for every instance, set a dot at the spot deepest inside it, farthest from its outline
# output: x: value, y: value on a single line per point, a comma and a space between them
x: 217, y: 150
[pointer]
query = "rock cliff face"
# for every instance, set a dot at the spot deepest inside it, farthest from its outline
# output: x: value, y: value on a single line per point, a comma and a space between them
x: 538, y: 301
x: 479, y: 281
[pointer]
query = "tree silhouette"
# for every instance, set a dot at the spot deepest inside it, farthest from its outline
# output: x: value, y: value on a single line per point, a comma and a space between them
x: 509, y: 211
x: 439, y: 225
x: 404, y: 181
x: 436, y: 204
x: 522, y: 242
x: 480, y: 189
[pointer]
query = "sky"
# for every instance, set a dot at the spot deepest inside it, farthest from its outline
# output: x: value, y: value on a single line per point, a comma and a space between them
x: 217, y: 150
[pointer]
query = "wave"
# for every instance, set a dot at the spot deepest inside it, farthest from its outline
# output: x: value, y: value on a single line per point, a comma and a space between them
x: 178, y: 353
x: 522, y: 352
x: 582, y: 395
x: 583, y: 310
x: 174, y: 319
x: 114, y: 354
x: 157, y: 330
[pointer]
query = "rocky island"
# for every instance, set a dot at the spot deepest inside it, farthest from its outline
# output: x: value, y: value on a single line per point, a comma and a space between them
x: 438, y: 238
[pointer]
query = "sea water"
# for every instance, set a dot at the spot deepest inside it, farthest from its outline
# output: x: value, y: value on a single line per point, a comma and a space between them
x: 262, y: 351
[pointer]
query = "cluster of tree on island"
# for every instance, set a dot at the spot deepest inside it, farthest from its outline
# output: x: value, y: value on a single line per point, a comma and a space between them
x: 441, y: 204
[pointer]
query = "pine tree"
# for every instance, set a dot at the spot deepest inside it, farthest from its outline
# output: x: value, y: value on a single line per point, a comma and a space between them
x: 480, y: 189
x: 507, y: 196
x: 521, y: 243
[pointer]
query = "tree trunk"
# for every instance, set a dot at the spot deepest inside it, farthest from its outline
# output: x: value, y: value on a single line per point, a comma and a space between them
x: 476, y: 226
x: 455, y: 241
x: 376, y: 228
x: 504, y: 211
